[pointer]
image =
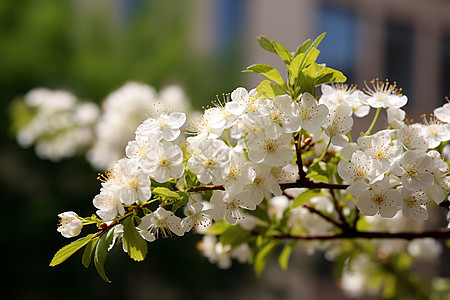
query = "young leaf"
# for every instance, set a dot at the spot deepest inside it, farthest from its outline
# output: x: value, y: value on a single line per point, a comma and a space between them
x: 303, y: 47
x: 266, y: 44
x: 165, y: 192
x: 305, y: 197
x: 285, y: 254
x: 87, y: 254
x: 101, y: 252
x: 318, y: 40
x: 182, y: 202
x: 218, y: 228
x: 269, y: 90
x: 266, y: 71
x: 67, y: 251
x: 234, y: 236
x: 134, y: 242
x: 282, y: 52
x: 327, y: 75
x: 263, y: 256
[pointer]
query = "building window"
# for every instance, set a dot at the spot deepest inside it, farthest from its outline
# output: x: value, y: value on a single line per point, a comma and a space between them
x: 338, y: 49
x: 399, y: 56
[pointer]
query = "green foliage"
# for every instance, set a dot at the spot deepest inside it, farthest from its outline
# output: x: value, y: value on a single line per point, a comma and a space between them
x: 283, y: 258
x: 101, y: 252
x: 319, y: 172
x: 269, y: 89
x: 304, y: 74
x: 87, y: 254
x: 304, y: 197
x: 234, y: 236
x: 263, y: 254
x: 134, y: 243
x: 266, y: 71
x: 68, y: 250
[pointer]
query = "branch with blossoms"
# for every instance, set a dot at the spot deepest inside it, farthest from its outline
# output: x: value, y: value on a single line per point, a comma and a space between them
x: 273, y: 166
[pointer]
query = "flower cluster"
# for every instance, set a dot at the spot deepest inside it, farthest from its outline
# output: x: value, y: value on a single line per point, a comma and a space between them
x: 59, y: 126
x: 122, y: 112
x: 278, y: 163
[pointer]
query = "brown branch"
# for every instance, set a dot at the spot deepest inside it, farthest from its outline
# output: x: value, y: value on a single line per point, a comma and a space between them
x: 436, y: 234
x: 313, y: 210
x: 339, y: 210
x: 307, y: 183
x: 298, y: 152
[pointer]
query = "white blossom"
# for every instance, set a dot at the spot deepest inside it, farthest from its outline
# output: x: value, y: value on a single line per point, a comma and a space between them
x: 70, y: 224
x: 162, y: 223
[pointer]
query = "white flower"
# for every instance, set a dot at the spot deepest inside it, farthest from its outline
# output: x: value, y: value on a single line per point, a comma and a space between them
x: 162, y: 222
x: 336, y: 94
x: 413, y: 169
x: 198, y: 216
x: 208, y: 159
x: 358, y: 172
x: 414, y: 205
x: 215, y: 252
x: 411, y: 137
x: 278, y: 116
x: 230, y: 206
x: 310, y: 114
x: 396, y: 117
x: 108, y: 203
x: 272, y: 152
x: 122, y: 111
x: 70, y: 224
x: 237, y: 173
x: 425, y: 249
x: 131, y: 181
x: 380, y: 149
x: 338, y: 124
x: 435, y: 132
x: 443, y: 113
x: 380, y: 198
x: 162, y: 123
x: 163, y: 161
x: 264, y: 184
x: 384, y: 95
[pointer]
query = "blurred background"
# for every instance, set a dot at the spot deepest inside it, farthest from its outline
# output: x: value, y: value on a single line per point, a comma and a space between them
x: 93, y: 47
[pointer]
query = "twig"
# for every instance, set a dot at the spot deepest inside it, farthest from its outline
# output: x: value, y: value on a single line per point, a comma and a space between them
x: 313, y: 210
x: 436, y: 234
x: 339, y: 210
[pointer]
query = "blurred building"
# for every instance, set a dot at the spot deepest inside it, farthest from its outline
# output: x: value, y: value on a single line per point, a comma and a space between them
x: 407, y: 41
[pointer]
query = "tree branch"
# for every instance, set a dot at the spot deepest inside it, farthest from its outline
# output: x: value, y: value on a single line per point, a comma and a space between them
x: 436, y: 234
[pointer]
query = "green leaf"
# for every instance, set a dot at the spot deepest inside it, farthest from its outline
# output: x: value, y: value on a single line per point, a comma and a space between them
x: 87, y: 254
x: 101, y: 252
x: 267, y: 89
x: 282, y: 52
x: 134, y: 242
x: 263, y: 256
x: 218, y: 228
x: 318, y: 40
x: 327, y: 75
x: 285, y: 254
x: 303, y: 47
x: 266, y: 44
x: 165, y: 192
x: 305, y: 197
x: 260, y: 213
x: 179, y: 203
x: 267, y: 71
x: 234, y: 236
x: 318, y: 172
x: 68, y: 250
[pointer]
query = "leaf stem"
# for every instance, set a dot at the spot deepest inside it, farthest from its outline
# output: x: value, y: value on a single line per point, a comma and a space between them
x: 373, y: 121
